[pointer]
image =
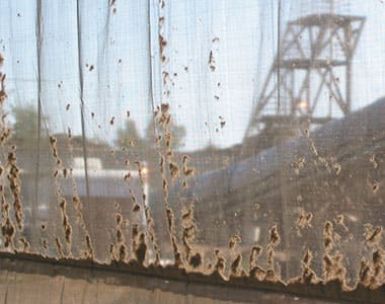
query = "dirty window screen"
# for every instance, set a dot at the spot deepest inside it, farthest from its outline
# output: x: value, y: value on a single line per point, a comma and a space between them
x: 236, y: 142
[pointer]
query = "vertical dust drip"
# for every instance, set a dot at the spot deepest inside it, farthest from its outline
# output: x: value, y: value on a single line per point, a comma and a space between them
x: 255, y: 271
x: 150, y: 223
x: 219, y: 264
x: 275, y: 239
x: 328, y: 246
x: 138, y: 238
x: 113, y: 6
x: 171, y: 226
x: 186, y: 169
x: 3, y: 94
x: 374, y: 174
x: 66, y: 225
x: 372, y: 273
x: 236, y: 268
x: 378, y: 262
x: 141, y: 180
x: 25, y: 244
x: 8, y: 229
x: 308, y: 274
x: 189, y: 230
x: 150, y: 231
x: 333, y: 268
x: 78, y: 204
x: 364, y: 273
x: 161, y: 38
x: 162, y: 121
x: 119, y: 251
x: 303, y: 221
x: 373, y: 235
x: 234, y: 241
x: 135, y: 206
x: 328, y: 236
x: 15, y: 186
x: 67, y: 229
x: 89, y: 253
x: 59, y: 248
x: 139, y: 246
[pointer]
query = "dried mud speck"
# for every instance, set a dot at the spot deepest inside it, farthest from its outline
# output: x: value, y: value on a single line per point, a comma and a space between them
x: 24, y: 242
x: 234, y: 241
x: 174, y: 170
x: 44, y: 244
x: 59, y: 247
x: 189, y: 231
x: 275, y: 239
x: 89, y: 253
x: 187, y: 171
x: 373, y: 235
x: 332, y: 261
x: 139, y: 246
x: 211, y: 62
x: 66, y: 225
x: 255, y: 271
x: 340, y: 220
x: 303, y: 221
x: 8, y: 232
x: 220, y: 263
x: 118, y: 250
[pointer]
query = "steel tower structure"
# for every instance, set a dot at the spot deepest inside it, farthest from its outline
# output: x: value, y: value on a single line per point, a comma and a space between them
x: 313, y: 62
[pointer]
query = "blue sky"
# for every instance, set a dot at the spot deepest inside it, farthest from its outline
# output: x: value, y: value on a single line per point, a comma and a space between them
x: 242, y: 35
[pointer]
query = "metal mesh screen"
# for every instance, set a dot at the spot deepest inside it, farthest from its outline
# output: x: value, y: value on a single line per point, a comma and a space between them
x: 235, y: 140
